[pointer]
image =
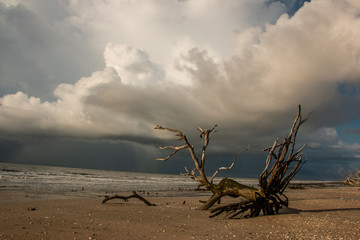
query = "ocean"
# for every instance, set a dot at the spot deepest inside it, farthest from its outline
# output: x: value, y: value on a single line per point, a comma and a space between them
x: 91, y: 182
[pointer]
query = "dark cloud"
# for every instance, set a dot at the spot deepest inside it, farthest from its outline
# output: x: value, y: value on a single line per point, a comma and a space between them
x: 9, y: 149
x: 122, y: 156
x: 35, y: 51
x: 244, y: 65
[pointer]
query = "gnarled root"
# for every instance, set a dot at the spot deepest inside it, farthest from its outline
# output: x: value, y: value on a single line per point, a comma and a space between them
x: 252, y: 207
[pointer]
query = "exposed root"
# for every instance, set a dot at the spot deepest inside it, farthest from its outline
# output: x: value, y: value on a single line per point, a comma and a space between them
x: 252, y: 208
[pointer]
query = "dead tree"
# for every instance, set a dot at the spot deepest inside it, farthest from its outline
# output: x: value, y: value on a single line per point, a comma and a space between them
x: 282, y: 163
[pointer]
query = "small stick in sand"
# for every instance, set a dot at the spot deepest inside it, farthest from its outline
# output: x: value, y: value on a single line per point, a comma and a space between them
x: 134, y: 195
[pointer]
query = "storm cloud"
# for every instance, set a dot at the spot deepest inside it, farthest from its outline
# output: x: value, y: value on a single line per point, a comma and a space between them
x: 244, y: 65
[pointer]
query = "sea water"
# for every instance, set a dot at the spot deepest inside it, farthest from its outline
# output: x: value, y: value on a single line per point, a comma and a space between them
x: 89, y: 182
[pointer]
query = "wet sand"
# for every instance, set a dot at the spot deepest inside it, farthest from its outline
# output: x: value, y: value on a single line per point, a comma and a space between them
x: 314, y: 213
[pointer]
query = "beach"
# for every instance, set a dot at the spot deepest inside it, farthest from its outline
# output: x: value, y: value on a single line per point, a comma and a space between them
x: 313, y: 213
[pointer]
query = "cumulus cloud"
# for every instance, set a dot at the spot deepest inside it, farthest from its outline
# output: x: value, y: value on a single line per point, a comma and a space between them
x: 186, y: 63
x: 23, y: 115
x: 154, y: 25
x: 132, y: 64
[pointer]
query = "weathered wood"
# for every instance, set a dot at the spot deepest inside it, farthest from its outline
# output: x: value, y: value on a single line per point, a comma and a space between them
x: 134, y: 195
x: 226, y: 187
x: 282, y: 164
x: 353, y: 178
x: 199, y: 164
x: 231, y: 165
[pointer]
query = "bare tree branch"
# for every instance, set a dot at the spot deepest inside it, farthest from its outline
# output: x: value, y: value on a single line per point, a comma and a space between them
x: 231, y: 165
x: 176, y: 149
x: 192, y: 175
x: 199, y: 165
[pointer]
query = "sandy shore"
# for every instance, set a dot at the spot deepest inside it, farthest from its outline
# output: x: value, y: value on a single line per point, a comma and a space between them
x: 326, y: 213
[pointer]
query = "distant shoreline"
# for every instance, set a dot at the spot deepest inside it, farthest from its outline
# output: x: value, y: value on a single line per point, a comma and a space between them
x: 148, y: 173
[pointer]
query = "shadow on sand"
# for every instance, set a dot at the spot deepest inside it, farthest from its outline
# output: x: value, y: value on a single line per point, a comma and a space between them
x: 332, y: 210
x: 297, y: 211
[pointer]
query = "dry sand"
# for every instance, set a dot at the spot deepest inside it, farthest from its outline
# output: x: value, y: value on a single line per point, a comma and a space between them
x: 326, y: 213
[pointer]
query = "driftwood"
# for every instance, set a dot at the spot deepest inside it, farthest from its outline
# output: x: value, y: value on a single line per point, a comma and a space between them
x: 134, y: 195
x: 282, y: 163
x: 354, y: 178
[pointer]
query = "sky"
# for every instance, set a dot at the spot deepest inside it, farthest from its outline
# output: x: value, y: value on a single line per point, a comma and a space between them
x: 84, y: 83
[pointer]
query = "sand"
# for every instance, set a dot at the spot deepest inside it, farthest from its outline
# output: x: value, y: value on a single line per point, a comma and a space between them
x: 325, y: 213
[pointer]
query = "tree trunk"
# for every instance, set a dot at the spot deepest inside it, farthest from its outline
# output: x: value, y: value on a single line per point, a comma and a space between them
x: 229, y: 187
